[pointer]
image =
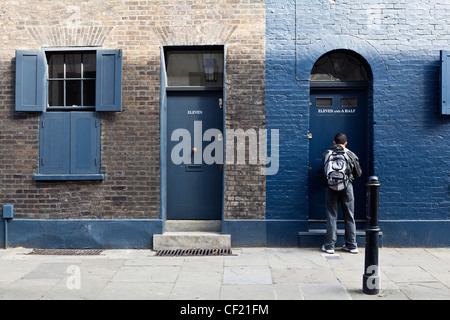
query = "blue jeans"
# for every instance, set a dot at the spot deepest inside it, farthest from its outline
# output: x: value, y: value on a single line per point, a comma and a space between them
x: 346, y: 200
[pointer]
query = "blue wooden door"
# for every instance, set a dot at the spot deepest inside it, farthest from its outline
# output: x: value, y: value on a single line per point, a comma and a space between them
x: 194, y: 187
x: 333, y: 111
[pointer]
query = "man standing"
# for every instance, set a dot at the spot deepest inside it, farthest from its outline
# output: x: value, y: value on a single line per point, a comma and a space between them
x: 340, y: 167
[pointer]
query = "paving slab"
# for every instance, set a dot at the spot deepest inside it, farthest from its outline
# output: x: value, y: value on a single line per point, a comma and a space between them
x: 27, y: 289
x: 248, y: 292
x: 425, y: 290
x: 136, y: 291
x: 249, y: 274
x: 324, y: 291
x: 196, y: 290
x: 300, y: 275
x: 50, y: 271
x: 288, y: 291
x: 409, y: 274
x: 147, y: 274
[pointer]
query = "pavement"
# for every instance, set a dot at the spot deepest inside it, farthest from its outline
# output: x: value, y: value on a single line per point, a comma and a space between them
x: 249, y: 274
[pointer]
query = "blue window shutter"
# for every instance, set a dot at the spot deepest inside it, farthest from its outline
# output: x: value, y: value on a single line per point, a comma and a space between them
x: 445, y: 82
x: 54, y: 143
x: 31, y: 80
x: 109, y: 80
x: 85, y: 142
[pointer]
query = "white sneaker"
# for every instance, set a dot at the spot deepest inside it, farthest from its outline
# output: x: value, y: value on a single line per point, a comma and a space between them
x: 330, y: 251
x: 355, y: 250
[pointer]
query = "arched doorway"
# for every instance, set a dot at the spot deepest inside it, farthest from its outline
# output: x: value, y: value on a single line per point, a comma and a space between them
x: 339, y: 102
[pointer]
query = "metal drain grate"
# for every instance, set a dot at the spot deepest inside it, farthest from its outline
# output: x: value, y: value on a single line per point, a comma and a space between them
x: 194, y: 252
x: 67, y: 252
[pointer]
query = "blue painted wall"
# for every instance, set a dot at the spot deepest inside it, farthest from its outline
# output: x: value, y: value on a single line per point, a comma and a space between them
x: 401, y: 41
x: 79, y: 234
x: 286, y: 110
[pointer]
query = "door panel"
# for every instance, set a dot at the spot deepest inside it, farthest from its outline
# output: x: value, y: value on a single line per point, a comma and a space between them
x: 194, y: 188
x: 334, y: 111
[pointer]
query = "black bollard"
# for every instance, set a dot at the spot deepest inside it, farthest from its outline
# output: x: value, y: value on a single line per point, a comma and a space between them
x: 371, y: 279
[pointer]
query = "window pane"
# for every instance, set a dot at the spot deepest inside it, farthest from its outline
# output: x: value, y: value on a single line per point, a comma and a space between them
x: 73, y: 65
x: 324, y: 102
x: 195, y: 68
x: 89, y: 63
x: 88, y: 93
x: 73, y: 93
x: 56, y: 66
x: 349, y: 102
x: 56, y: 93
x: 338, y: 66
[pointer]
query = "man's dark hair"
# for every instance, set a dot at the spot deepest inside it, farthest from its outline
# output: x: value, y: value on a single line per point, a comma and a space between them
x: 340, y: 138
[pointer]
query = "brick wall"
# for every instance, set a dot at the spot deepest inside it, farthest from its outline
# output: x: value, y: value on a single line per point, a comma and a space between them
x: 401, y: 41
x: 130, y: 139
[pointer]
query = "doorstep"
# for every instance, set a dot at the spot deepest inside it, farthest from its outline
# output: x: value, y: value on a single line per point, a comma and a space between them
x: 315, y: 238
x: 191, y: 240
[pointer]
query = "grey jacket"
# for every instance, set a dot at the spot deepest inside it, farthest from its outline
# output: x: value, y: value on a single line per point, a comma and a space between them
x: 355, y: 168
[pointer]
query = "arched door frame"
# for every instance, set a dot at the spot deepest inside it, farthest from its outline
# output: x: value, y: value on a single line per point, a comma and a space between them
x: 364, y: 88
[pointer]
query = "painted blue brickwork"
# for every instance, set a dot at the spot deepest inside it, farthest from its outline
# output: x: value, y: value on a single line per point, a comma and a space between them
x: 401, y: 41
x: 77, y: 233
x: 286, y: 110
